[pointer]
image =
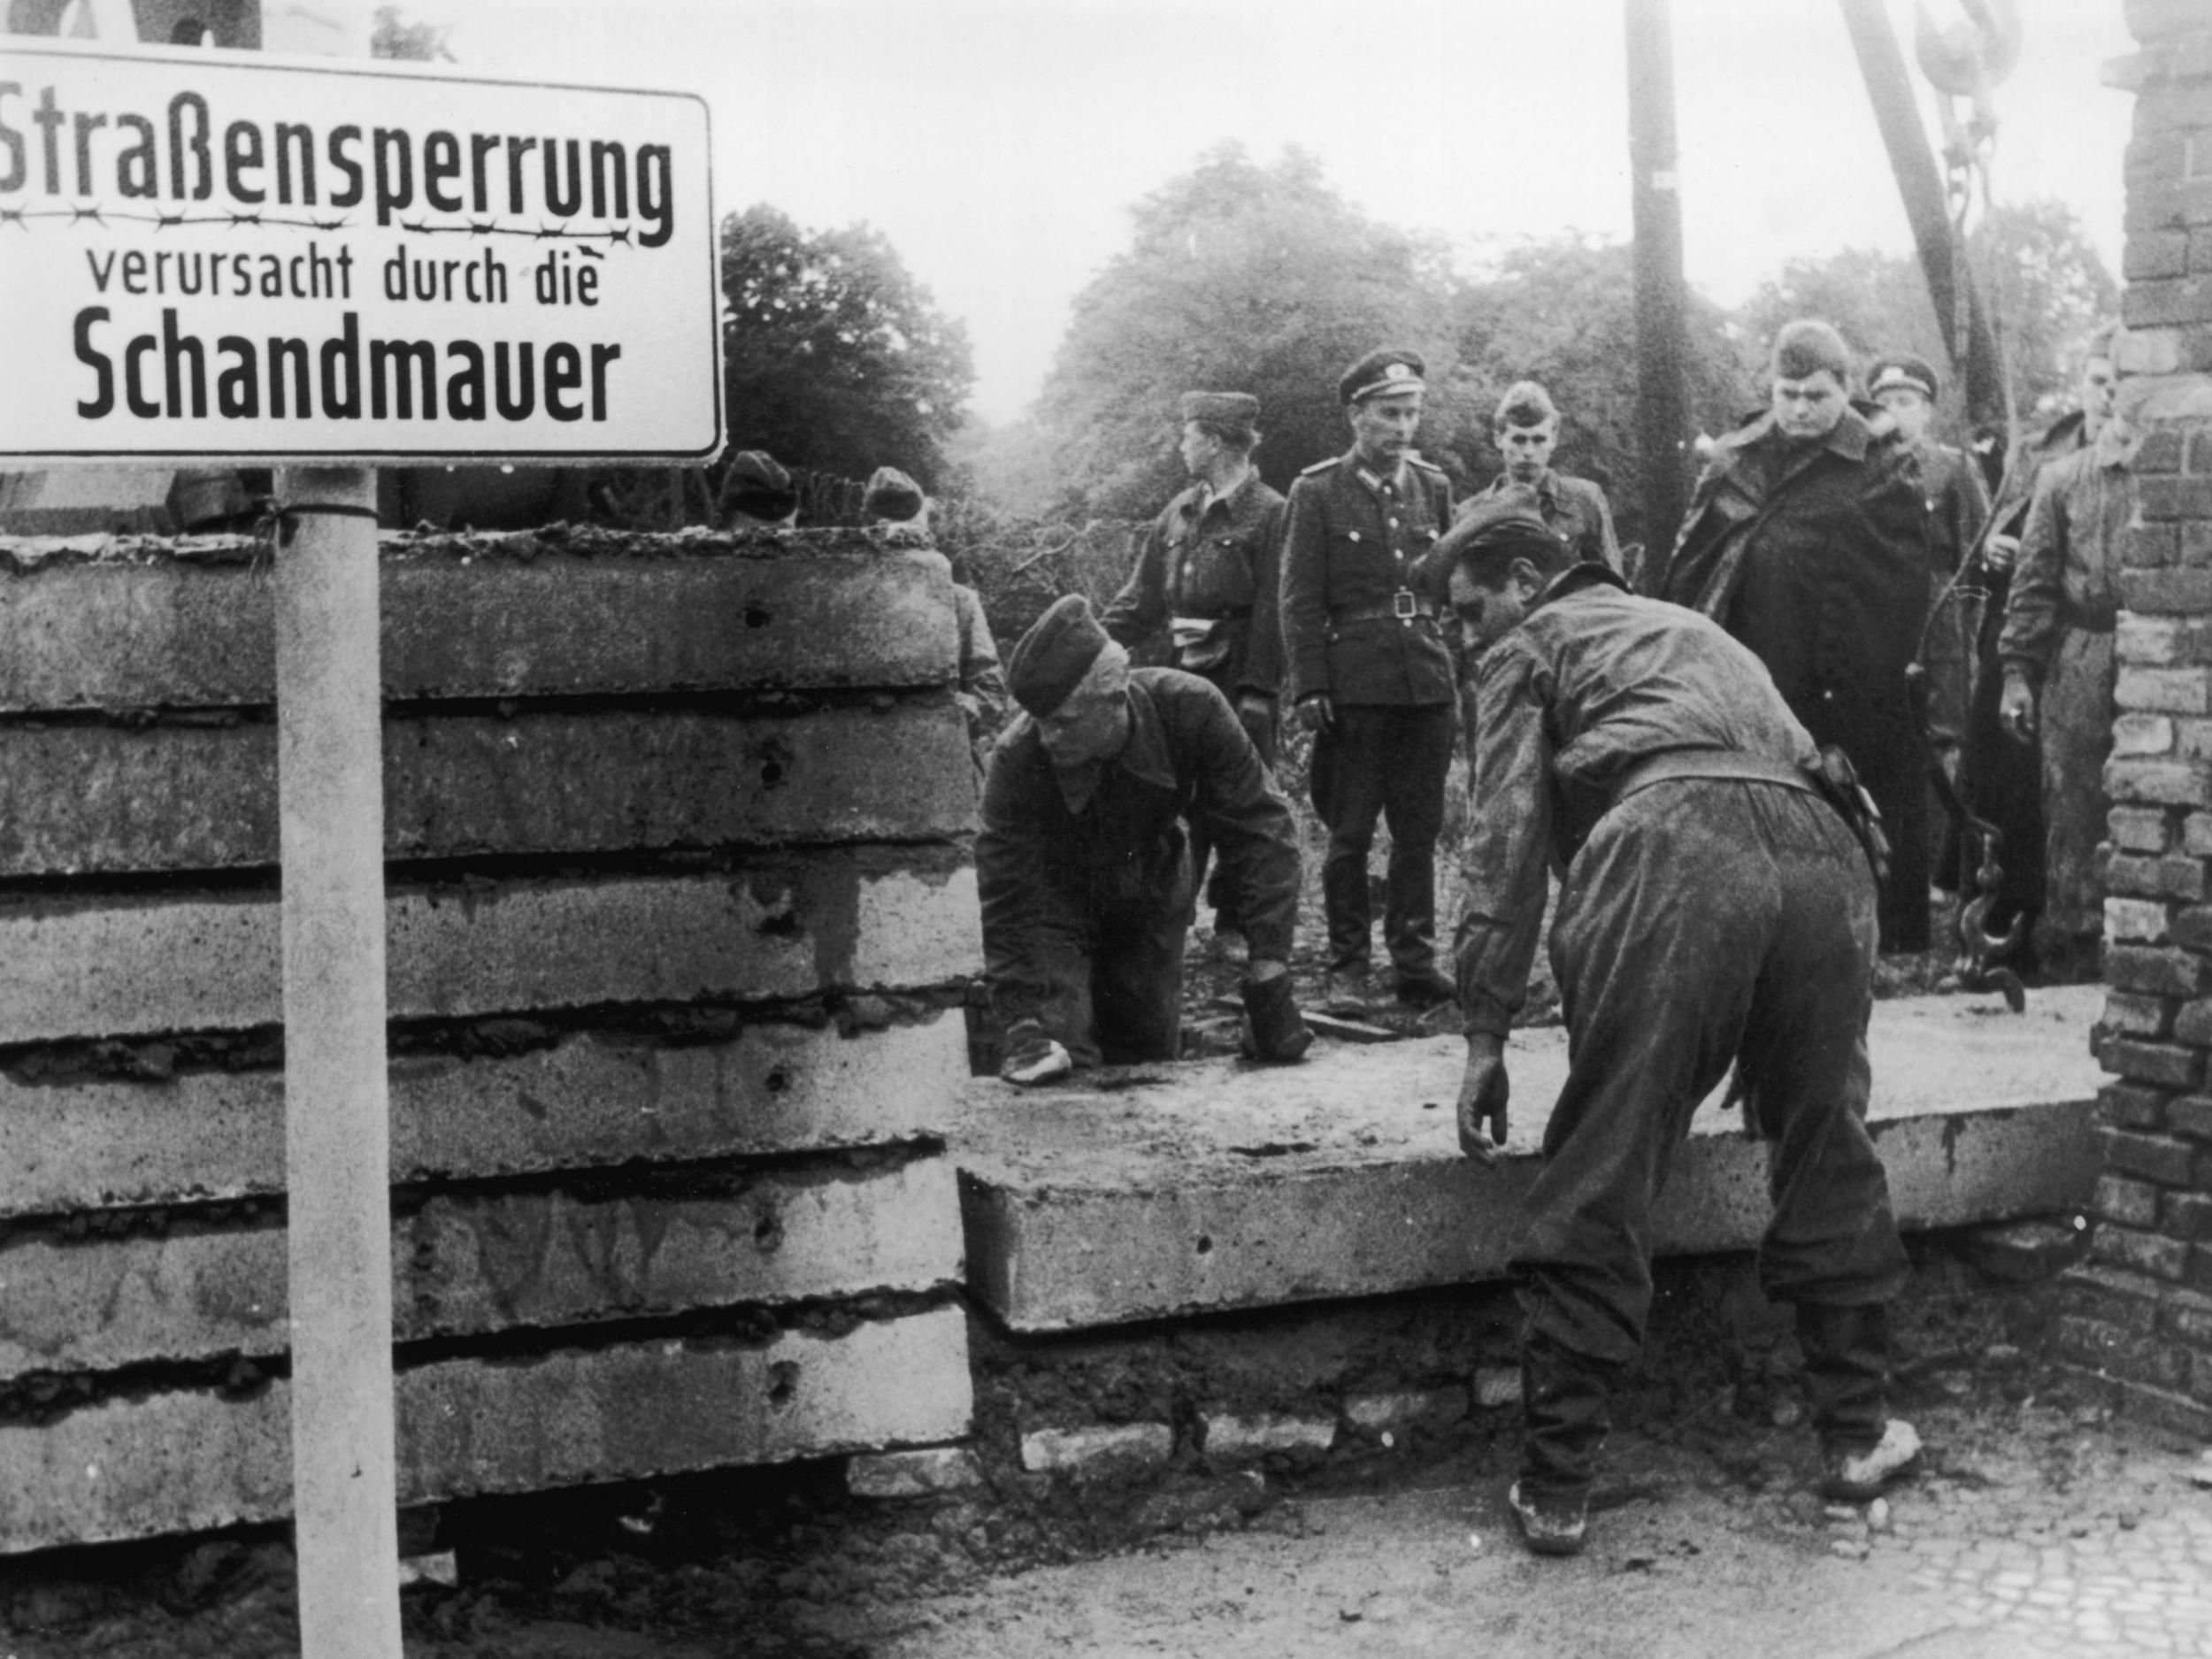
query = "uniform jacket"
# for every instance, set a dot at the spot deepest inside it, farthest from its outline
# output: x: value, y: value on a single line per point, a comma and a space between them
x: 1045, y: 873
x: 1212, y: 559
x: 1951, y: 484
x: 1351, y: 540
x: 1816, y: 557
x: 2069, y: 568
x: 1594, y: 681
x: 1574, y: 507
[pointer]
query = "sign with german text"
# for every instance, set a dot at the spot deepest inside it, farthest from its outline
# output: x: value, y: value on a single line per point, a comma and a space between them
x: 231, y: 257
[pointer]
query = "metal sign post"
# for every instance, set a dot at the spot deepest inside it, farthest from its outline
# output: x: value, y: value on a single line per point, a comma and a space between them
x: 337, y: 1136
x: 232, y: 258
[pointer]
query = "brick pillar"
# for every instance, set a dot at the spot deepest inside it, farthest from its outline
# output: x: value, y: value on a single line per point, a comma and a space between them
x: 2141, y: 1312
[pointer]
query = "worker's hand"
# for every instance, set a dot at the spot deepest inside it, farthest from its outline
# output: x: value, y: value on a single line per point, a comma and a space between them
x: 1482, y: 1099
x: 1032, y: 1057
x: 2015, y: 707
x: 2000, y: 552
x: 1316, y: 713
x: 1256, y: 715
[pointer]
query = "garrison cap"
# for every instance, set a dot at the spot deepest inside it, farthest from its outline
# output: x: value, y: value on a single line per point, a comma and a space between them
x: 1051, y: 660
x: 1804, y: 348
x: 756, y: 485
x: 891, y: 496
x: 1383, y: 373
x: 1525, y: 404
x: 1902, y: 371
x: 1227, y: 409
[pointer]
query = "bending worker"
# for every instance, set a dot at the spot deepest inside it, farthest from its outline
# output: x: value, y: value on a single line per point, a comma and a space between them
x: 1083, y: 866
x: 1717, y: 907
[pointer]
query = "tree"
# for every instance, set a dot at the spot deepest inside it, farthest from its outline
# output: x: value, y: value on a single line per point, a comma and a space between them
x: 1562, y: 313
x: 834, y: 358
x: 2048, y: 287
x: 1239, y: 278
x: 396, y: 37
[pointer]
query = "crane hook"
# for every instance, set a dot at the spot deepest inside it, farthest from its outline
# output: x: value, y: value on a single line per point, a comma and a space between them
x: 1964, y: 59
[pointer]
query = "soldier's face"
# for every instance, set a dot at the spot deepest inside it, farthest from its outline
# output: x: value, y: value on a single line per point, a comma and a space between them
x: 1383, y: 427
x: 1092, y: 722
x: 1527, y: 449
x: 1486, y: 615
x: 1807, y: 408
x: 2100, y: 384
x: 1910, y: 408
x: 1199, y: 447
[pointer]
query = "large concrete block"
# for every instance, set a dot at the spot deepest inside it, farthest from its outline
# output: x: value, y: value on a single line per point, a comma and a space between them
x: 645, y: 614
x: 468, y: 1265
x: 183, y: 1461
x: 84, y: 798
x: 1215, y: 1184
x: 586, y: 1103
x: 119, y: 965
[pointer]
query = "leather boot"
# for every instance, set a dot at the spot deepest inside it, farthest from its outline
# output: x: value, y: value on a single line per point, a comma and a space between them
x: 1566, y: 1411
x: 1847, y: 1372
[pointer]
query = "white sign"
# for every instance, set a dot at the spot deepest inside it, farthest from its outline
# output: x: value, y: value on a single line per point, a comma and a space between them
x: 231, y: 256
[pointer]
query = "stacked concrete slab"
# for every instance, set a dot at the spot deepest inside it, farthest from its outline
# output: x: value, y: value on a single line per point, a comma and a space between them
x: 2141, y: 1314
x: 679, y: 907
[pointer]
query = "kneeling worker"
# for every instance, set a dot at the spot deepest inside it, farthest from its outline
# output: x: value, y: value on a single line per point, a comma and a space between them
x: 1082, y: 864
x: 1719, y: 906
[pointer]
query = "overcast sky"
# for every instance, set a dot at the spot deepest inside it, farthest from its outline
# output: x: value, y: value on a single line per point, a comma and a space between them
x: 999, y: 143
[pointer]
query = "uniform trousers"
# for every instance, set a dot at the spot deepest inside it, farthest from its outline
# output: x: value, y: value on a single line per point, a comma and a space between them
x: 2075, y: 719
x: 1708, y: 921
x: 1386, y: 759
x: 1114, y: 985
x: 1220, y: 892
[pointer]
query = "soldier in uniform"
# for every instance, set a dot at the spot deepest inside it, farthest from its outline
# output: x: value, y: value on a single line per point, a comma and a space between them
x: 1525, y: 430
x: 1369, y: 673
x: 2000, y: 771
x: 1082, y: 867
x: 1951, y: 485
x: 1207, y: 576
x: 2059, y: 672
x: 1717, y: 907
x: 892, y: 497
x: 1807, y: 539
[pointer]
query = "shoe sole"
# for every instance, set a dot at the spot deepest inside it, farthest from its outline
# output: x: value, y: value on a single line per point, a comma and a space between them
x: 1540, y: 1539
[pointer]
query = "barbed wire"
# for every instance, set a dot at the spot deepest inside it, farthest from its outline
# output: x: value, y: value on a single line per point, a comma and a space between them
x: 24, y: 217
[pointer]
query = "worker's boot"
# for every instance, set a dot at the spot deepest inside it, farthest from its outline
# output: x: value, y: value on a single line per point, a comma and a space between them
x: 1275, y: 1031
x: 1565, y: 1414
x: 1847, y: 1379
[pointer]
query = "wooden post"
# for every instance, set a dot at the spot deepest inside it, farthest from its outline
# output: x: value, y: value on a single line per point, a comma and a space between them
x: 1662, y: 415
x: 337, y: 1143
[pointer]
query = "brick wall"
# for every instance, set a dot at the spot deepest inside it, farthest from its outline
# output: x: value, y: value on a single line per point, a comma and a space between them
x: 679, y: 905
x: 2140, y: 1314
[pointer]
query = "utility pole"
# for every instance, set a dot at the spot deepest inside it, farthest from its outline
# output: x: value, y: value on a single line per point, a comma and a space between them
x: 1662, y: 416
x: 1970, y: 338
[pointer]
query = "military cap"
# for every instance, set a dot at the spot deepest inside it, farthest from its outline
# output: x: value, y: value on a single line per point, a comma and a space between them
x: 1525, y: 404
x: 891, y: 494
x: 1507, y: 521
x: 1386, y: 373
x: 1806, y: 347
x: 1227, y: 408
x: 1902, y: 371
x: 755, y: 485
x: 1051, y: 660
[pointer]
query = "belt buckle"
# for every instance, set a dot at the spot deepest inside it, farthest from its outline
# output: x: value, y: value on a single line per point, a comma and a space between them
x: 1402, y: 605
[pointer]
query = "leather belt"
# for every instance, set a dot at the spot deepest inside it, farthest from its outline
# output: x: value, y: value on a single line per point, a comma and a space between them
x: 1405, y: 605
x: 1708, y: 763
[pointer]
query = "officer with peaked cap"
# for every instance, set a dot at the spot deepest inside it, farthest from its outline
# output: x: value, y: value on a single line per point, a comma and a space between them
x: 1206, y: 578
x: 1957, y: 504
x: 1083, y: 867
x: 1370, y: 673
x: 1717, y: 907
